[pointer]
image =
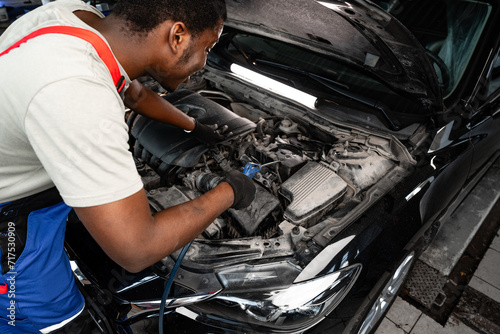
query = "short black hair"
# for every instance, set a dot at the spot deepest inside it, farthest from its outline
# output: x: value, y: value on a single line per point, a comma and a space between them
x: 144, y: 15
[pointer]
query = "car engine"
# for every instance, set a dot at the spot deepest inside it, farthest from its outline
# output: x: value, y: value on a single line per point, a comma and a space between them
x: 301, y: 171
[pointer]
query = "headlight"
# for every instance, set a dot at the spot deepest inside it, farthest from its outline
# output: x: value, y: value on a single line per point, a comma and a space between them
x: 291, y: 309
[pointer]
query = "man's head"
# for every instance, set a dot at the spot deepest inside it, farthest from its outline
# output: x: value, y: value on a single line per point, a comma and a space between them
x: 143, y: 16
x: 178, y: 34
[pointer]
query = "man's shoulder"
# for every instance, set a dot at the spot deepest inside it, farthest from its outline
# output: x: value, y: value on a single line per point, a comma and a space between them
x: 55, y: 13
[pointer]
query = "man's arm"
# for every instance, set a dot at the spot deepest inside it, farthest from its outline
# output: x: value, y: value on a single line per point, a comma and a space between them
x: 135, y: 239
x: 147, y: 103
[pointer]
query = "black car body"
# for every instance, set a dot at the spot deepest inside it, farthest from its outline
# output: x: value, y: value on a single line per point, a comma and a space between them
x: 393, y: 117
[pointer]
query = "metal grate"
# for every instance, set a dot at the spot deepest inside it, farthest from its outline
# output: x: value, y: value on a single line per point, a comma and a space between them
x: 425, y: 285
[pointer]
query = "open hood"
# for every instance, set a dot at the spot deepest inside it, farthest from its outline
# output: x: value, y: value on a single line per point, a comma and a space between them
x: 356, y: 32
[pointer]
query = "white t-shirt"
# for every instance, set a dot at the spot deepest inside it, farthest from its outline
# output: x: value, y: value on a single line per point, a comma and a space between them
x: 61, y: 118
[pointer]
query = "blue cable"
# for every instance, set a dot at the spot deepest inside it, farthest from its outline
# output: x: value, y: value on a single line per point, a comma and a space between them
x: 170, y: 281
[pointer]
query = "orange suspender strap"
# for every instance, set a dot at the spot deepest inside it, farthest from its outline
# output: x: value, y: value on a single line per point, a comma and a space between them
x: 99, y: 45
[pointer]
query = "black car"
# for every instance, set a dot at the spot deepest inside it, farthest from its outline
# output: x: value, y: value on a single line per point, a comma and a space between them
x: 362, y: 123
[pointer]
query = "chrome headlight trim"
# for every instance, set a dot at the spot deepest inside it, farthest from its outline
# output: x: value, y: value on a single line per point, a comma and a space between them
x: 288, y: 309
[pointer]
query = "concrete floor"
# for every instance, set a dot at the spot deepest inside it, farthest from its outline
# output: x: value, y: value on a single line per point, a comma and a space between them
x: 487, y: 277
x: 404, y: 318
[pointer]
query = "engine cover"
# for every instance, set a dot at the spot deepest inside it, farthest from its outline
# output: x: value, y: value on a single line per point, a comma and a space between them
x: 162, y: 145
x: 313, y: 190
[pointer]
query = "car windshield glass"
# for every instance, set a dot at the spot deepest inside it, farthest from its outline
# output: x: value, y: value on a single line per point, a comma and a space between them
x: 310, y: 71
x: 449, y: 30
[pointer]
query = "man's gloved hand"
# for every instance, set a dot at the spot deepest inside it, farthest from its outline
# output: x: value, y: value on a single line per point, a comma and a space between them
x: 243, y: 189
x: 208, y: 134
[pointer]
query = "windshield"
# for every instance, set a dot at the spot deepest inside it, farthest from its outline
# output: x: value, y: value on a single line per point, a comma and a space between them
x: 449, y: 30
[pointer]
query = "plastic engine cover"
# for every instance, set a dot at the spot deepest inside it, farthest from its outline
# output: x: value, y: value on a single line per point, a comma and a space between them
x: 313, y: 190
x: 170, y: 145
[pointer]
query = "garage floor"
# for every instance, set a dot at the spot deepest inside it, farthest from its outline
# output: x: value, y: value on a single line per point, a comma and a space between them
x: 455, y: 285
x: 482, y: 295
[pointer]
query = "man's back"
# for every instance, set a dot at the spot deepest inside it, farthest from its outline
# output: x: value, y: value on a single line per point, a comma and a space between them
x: 62, y: 124
x: 54, y: 87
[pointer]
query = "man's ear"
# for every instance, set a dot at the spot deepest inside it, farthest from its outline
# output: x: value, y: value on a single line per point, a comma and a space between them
x: 178, y: 37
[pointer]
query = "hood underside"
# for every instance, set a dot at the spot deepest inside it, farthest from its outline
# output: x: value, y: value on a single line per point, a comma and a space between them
x: 355, y: 32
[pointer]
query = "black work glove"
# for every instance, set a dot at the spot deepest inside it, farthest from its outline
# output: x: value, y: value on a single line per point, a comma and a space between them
x: 243, y: 189
x: 207, y: 134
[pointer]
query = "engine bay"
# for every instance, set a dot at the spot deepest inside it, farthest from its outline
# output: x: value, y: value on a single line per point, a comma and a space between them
x: 303, y: 173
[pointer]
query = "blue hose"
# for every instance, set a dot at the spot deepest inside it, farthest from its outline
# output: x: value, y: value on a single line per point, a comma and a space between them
x: 170, y: 281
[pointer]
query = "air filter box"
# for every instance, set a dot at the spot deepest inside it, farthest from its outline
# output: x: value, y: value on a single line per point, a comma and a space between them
x: 312, y: 191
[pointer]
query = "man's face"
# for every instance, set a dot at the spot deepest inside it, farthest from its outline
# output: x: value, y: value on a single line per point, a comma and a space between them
x: 190, y: 61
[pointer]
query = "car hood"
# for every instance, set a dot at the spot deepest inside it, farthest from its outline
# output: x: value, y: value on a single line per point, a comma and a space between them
x: 355, y: 32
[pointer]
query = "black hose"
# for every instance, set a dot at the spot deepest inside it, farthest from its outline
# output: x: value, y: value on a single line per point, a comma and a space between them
x: 170, y: 281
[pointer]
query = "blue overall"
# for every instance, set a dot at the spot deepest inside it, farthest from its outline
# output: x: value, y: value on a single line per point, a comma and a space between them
x: 37, y: 285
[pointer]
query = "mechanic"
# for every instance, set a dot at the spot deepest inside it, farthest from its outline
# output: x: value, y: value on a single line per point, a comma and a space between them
x: 63, y: 135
